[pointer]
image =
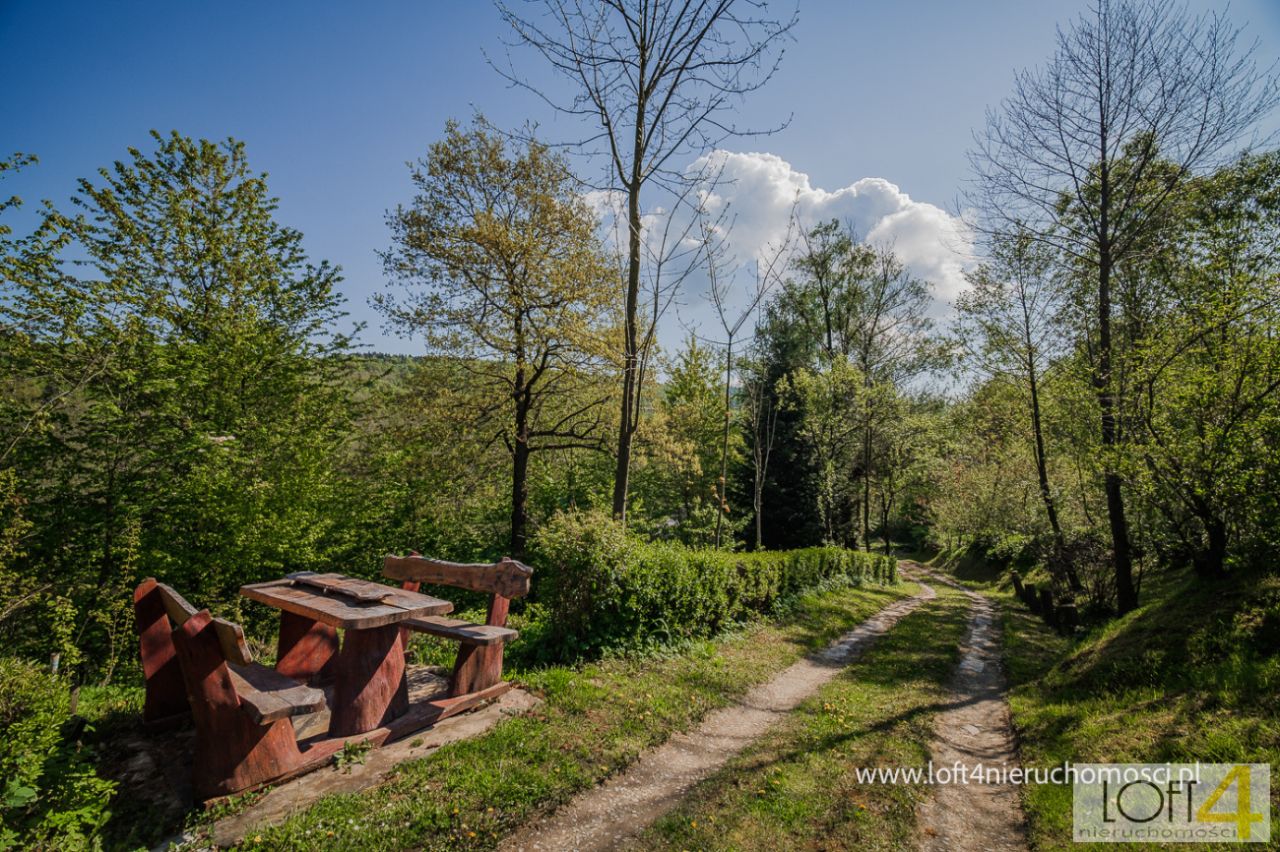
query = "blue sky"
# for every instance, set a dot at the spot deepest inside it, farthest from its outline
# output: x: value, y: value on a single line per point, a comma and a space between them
x: 332, y: 98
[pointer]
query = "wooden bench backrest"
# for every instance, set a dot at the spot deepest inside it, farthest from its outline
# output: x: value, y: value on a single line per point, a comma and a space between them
x: 230, y: 634
x: 506, y: 578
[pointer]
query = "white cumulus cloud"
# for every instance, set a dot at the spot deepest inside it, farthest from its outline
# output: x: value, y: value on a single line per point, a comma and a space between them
x: 762, y: 189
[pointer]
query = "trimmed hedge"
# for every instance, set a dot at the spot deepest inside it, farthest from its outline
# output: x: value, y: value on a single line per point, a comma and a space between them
x: 605, y: 589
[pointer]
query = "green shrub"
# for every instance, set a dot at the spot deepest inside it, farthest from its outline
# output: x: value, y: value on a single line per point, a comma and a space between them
x: 605, y: 589
x: 51, y: 797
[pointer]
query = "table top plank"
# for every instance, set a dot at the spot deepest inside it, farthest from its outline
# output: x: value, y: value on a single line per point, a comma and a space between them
x: 333, y: 607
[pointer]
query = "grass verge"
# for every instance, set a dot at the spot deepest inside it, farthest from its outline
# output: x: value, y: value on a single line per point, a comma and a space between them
x: 1191, y: 675
x: 595, y: 720
x: 797, y: 787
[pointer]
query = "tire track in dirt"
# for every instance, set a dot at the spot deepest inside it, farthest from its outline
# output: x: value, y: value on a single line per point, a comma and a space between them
x: 974, y: 730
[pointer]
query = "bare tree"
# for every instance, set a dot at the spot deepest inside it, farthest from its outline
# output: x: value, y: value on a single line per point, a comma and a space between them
x: 1009, y: 326
x: 733, y: 313
x: 659, y: 80
x: 762, y: 423
x: 1088, y: 150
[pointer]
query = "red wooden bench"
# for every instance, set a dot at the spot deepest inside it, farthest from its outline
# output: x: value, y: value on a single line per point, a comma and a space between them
x: 242, y: 710
x: 478, y: 667
x: 195, y: 663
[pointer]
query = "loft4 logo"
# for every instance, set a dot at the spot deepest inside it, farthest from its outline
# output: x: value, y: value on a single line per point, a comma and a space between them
x: 1243, y: 814
x: 1171, y: 802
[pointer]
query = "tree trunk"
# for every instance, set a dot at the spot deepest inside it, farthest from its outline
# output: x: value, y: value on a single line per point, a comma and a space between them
x: 759, y: 523
x: 630, y: 353
x: 724, y: 444
x: 1126, y: 593
x: 1042, y: 472
x: 519, y: 496
x: 520, y: 466
x: 885, y: 507
x: 1210, y: 561
x: 866, y: 483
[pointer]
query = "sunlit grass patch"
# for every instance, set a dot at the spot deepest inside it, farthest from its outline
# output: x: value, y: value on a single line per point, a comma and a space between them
x: 1191, y: 675
x: 797, y: 787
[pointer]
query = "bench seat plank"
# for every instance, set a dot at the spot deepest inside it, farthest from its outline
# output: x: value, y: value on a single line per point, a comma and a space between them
x: 462, y: 631
x: 269, y: 695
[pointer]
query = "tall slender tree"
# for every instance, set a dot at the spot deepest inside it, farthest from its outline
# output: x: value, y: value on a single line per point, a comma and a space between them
x: 733, y: 309
x: 1009, y: 324
x: 1135, y: 82
x: 761, y: 422
x: 659, y: 81
x: 891, y: 343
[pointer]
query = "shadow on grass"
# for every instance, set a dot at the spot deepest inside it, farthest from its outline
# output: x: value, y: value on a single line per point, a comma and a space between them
x: 891, y: 694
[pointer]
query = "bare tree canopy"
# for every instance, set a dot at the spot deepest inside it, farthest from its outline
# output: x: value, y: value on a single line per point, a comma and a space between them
x: 658, y: 78
x: 657, y: 81
x: 1138, y: 81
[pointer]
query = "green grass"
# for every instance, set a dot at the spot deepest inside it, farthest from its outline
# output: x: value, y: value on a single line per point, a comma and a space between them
x: 594, y: 722
x: 1193, y: 674
x: 968, y: 567
x: 796, y: 787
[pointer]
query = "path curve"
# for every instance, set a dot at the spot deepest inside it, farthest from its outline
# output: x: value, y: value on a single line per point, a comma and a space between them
x: 606, y: 816
x: 974, y: 729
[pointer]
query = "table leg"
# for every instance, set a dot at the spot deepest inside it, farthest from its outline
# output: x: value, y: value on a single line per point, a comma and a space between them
x: 306, y: 648
x: 369, y: 689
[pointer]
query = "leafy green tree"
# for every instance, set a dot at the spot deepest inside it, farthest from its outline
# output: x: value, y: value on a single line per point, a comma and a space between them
x: 825, y: 399
x: 197, y: 369
x: 680, y: 446
x: 17, y: 589
x: 1089, y: 149
x: 859, y: 303
x: 502, y: 269
x: 783, y: 344
x: 824, y: 296
x: 421, y: 477
x: 901, y: 449
x: 985, y: 494
x: 1207, y: 373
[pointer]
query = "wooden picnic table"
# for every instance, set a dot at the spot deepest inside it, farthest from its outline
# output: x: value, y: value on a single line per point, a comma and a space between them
x: 367, y: 671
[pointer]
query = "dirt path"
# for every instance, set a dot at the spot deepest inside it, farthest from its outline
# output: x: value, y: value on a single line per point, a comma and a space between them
x: 607, y: 816
x: 974, y: 730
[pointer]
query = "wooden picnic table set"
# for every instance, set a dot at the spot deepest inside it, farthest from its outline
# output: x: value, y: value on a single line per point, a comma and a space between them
x: 244, y: 712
